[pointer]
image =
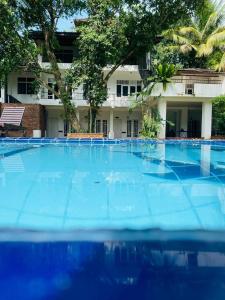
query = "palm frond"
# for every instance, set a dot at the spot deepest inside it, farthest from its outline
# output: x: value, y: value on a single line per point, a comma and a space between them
x: 220, y: 67
x: 189, y: 30
x: 216, y: 40
x: 204, y: 50
x: 187, y: 48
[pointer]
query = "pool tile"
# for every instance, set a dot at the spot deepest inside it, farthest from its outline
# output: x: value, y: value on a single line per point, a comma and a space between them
x: 161, y: 177
x: 212, y: 216
x: 127, y: 200
x: 202, y: 192
x: 49, y: 196
x: 8, y: 217
x: 177, y: 221
x: 189, y: 172
x: 88, y: 201
x: 166, y: 198
x: 31, y: 221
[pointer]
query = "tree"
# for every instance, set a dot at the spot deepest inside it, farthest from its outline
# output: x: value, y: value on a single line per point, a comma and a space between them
x: 219, y: 114
x: 41, y: 15
x: 15, y: 48
x: 147, y: 99
x: 204, y: 36
x: 114, y: 32
x: 99, y: 42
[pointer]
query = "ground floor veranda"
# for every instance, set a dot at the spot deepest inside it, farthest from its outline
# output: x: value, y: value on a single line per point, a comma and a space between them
x: 179, y: 119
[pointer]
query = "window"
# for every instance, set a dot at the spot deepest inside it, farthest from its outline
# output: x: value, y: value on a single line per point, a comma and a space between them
x: 125, y: 87
x: 85, y: 91
x: 132, y: 89
x: 189, y: 89
x: 125, y: 90
x: 136, y: 131
x: 118, y: 90
x: 64, y: 56
x: 129, y: 123
x: 52, y: 85
x: 98, y: 126
x: 25, y: 86
x: 105, y: 128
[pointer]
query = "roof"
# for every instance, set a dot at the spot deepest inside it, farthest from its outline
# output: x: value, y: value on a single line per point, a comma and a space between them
x: 199, y: 72
x: 65, y: 38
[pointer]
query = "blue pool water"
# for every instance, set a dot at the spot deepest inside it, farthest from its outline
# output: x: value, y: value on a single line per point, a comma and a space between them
x: 128, y: 185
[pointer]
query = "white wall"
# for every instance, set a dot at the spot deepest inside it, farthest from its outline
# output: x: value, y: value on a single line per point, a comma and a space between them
x: 119, y: 119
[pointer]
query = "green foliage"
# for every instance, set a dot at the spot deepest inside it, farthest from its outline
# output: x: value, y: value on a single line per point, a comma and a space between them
x: 15, y: 47
x: 204, y: 36
x: 163, y: 74
x: 151, y: 125
x: 219, y: 114
x: 147, y: 102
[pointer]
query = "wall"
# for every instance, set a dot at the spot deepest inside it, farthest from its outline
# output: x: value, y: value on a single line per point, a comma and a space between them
x: 33, y: 118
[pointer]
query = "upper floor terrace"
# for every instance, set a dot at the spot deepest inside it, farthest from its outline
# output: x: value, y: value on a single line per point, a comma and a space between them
x: 187, y: 85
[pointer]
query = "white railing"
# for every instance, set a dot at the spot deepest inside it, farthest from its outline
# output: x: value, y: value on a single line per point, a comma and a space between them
x: 112, y: 100
x: 124, y: 68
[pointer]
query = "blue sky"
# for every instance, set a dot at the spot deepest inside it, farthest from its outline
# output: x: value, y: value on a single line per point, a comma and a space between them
x: 66, y: 24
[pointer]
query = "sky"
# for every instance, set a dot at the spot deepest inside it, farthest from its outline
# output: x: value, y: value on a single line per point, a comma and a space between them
x: 66, y: 25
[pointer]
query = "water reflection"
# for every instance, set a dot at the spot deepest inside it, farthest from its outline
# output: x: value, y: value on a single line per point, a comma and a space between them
x: 111, y: 270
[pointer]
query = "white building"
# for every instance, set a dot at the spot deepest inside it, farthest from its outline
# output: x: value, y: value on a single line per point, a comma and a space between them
x: 187, y: 102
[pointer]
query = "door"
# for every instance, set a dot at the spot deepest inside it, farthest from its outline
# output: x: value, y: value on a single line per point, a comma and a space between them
x: 118, y: 128
x: 55, y: 128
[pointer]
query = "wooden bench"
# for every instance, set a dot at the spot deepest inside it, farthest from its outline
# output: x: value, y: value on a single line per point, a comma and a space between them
x: 85, y: 136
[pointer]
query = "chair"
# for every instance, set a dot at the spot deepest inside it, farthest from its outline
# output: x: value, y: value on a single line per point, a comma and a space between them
x: 10, y: 120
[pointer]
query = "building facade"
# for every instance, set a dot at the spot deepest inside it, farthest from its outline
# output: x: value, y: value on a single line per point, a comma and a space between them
x: 187, y: 101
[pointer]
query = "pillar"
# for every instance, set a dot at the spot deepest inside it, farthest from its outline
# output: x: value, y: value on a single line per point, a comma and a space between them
x: 206, y: 120
x: 2, y: 95
x: 162, y: 106
x: 111, y: 130
x: 184, y: 119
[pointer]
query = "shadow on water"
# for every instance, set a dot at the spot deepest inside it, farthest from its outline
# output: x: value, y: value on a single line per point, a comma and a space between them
x: 175, y: 170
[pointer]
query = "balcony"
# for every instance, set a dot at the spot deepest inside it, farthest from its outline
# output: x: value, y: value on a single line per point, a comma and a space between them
x: 200, y: 89
x: 112, y: 101
x: 124, y: 68
x: 62, y: 66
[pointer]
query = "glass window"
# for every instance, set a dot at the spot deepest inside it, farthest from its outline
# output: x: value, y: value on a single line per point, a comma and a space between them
x: 25, y: 86
x: 52, y: 85
x: 118, y: 90
x: 125, y: 90
x: 129, y: 123
x: 98, y: 126
x: 138, y: 88
x: 136, y: 132
x: 105, y: 128
x: 132, y: 90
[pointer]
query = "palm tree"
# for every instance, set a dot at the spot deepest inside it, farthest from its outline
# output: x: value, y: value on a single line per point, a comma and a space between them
x: 204, y: 36
x: 147, y: 102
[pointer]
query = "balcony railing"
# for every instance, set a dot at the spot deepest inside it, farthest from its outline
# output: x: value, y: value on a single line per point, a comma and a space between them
x: 112, y: 100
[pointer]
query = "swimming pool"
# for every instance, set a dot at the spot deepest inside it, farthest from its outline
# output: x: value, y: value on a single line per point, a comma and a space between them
x: 54, y: 186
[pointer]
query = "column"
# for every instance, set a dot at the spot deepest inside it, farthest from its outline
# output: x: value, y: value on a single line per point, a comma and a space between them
x: 111, y: 130
x: 2, y: 96
x: 184, y: 119
x: 206, y: 120
x: 162, y: 105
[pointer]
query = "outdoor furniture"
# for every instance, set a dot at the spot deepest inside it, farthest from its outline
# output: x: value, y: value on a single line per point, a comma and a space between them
x: 10, y: 120
x: 85, y: 135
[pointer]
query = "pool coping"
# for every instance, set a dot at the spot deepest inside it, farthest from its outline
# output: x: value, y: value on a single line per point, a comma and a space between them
x: 106, y: 141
